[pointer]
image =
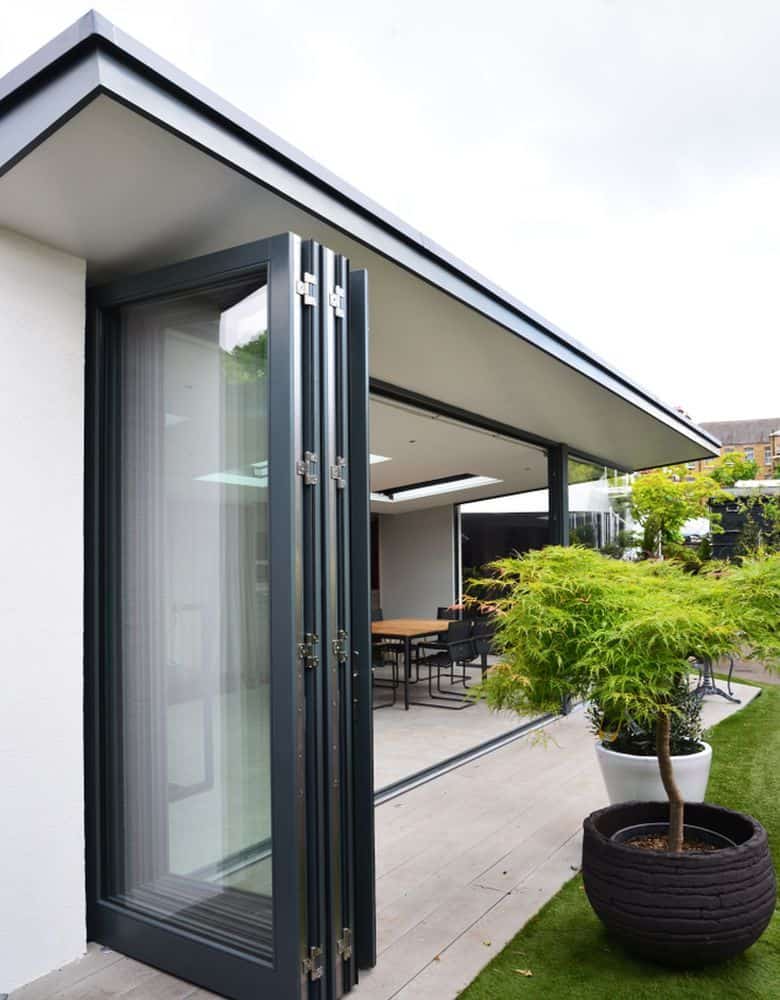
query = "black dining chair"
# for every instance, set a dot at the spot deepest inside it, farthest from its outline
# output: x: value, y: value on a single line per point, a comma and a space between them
x: 445, y: 614
x: 395, y: 649
x: 456, y: 651
x: 482, y: 633
x: 379, y: 650
x: 378, y: 662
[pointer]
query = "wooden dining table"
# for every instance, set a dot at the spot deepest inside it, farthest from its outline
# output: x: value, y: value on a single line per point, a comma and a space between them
x: 407, y: 629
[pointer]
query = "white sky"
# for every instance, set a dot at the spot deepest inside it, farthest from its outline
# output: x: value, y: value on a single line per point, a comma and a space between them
x: 615, y: 164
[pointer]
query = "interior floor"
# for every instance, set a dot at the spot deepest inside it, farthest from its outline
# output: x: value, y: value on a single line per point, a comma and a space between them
x: 406, y: 743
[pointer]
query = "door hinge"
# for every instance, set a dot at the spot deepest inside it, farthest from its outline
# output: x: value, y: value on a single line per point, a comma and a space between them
x: 307, y: 650
x: 312, y: 964
x: 307, y: 287
x: 339, y: 646
x: 337, y: 299
x: 344, y: 944
x: 308, y: 467
x: 337, y: 472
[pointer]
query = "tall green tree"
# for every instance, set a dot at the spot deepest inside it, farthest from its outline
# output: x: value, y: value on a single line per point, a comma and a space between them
x: 663, y: 500
x: 733, y: 466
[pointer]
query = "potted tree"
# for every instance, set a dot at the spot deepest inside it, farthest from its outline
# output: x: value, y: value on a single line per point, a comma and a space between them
x: 684, y: 885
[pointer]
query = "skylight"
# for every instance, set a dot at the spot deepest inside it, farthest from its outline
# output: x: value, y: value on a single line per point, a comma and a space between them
x: 234, y: 479
x: 449, y: 485
x: 239, y: 477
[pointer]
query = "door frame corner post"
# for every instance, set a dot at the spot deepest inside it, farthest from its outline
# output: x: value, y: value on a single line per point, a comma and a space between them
x: 558, y: 486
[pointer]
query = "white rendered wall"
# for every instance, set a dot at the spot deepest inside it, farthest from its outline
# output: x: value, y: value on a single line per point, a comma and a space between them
x: 416, y: 562
x: 42, y: 909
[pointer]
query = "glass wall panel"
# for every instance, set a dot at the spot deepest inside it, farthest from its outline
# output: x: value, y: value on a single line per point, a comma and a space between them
x: 506, y: 526
x: 599, y: 515
x: 189, y: 839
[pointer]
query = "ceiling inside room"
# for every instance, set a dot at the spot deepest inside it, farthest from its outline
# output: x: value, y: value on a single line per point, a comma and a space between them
x: 425, y: 448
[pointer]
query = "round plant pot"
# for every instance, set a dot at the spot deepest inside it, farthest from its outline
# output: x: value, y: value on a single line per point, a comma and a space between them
x: 687, y: 909
x: 630, y: 778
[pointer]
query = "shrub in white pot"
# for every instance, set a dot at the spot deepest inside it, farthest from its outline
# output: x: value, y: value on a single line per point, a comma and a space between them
x: 572, y: 622
x: 628, y: 758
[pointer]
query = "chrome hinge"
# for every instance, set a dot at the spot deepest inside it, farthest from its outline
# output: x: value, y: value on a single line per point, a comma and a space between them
x: 307, y: 288
x: 337, y: 472
x: 312, y: 964
x: 309, y: 468
x: 339, y: 646
x: 344, y: 944
x: 307, y: 650
x: 337, y: 299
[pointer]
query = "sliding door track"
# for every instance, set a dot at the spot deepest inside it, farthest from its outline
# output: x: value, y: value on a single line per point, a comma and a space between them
x: 458, y: 760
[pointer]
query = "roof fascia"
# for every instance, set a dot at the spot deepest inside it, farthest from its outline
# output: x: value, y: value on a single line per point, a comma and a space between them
x: 93, y: 56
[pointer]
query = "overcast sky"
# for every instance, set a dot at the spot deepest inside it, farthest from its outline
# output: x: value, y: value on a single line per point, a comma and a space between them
x: 615, y: 164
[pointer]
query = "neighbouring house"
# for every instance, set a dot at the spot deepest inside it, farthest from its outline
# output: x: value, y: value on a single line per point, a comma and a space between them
x: 759, y: 440
x: 200, y: 331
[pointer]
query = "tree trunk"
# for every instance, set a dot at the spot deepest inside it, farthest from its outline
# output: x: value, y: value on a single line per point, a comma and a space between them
x: 676, y: 804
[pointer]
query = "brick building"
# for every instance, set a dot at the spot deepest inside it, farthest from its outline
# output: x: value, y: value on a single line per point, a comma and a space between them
x: 759, y: 440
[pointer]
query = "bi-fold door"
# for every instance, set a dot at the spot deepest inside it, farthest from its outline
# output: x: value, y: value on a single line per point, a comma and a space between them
x: 224, y: 670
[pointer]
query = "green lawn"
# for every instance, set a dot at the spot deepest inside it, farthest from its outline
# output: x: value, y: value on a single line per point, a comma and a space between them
x: 568, y: 952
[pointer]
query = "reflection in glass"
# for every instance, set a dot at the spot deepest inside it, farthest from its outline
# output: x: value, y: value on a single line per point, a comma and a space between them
x: 599, y: 508
x: 189, y: 763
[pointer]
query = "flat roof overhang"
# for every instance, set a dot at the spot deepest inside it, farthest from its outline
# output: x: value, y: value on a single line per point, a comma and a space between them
x: 110, y: 153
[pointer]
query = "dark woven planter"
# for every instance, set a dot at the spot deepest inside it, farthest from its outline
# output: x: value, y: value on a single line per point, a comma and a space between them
x: 686, y: 909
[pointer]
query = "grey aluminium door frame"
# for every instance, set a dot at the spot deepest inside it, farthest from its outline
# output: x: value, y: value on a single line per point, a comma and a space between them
x: 214, y: 966
x: 338, y: 743
x: 337, y: 753
x: 358, y: 484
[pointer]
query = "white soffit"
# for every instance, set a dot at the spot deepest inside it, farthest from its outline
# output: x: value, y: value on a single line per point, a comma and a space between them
x: 115, y: 188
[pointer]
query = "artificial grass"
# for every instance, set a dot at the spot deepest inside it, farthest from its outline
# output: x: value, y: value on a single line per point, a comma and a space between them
x: 570, y: 955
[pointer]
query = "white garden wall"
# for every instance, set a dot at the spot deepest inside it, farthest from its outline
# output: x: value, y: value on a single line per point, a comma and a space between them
x: 41, y: 567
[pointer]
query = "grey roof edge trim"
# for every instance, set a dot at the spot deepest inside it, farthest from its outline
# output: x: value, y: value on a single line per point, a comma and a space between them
x: 41, y: 61
x: 97, y: 31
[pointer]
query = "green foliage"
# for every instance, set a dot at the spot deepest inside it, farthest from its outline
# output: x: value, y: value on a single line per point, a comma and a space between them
x: 570, y: 621
x: 583, y: 472
x: 247, y: 362
x: 640, y: 741
x: 733, y: 466
x: 585, y: 535
x: 617, y: 549
x: 685, y: 556
x: 751, y: 593
x: 663, y: 500
x: 761, y: 530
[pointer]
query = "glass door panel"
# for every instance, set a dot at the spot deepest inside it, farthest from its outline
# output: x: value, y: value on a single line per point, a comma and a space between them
x: 198, y: 807
x: 190, y: 830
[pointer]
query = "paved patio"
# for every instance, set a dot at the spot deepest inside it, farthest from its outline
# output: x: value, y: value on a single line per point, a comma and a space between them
x: 462, y: 863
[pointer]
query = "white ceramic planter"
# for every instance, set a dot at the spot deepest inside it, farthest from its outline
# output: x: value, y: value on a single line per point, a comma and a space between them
x: 630, y: 778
